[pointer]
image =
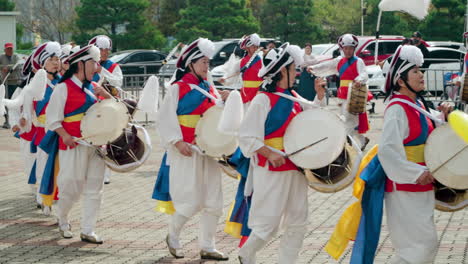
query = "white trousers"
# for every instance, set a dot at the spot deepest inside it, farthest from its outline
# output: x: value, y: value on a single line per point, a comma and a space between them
x: 107, y: 174
x: 279, y: 199
x: 351, y: 122
x: 410, y: 220
x: 28, y: 158
x: 81, y: 172
x: 195, y: 186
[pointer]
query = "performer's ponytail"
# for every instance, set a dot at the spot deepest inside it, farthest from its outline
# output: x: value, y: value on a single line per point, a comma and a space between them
x: 69, y: 73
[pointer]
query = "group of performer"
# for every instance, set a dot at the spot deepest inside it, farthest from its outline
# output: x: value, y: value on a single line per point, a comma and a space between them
x: 47, y: 121
x: 272, y: 192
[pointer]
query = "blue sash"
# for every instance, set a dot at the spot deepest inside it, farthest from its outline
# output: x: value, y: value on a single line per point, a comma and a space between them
x: 347, y: 64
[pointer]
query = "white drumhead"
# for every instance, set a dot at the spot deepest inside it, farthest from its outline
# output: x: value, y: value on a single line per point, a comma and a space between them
x: 104, y: 122
x: 311, y: 126
x: 212, y: 142
x: 446, y: 156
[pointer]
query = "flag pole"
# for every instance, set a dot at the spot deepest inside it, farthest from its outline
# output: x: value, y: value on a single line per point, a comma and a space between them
x: 377, y: 36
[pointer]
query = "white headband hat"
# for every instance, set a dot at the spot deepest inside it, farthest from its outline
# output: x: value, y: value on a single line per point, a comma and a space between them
x: 84, y: 54
x: 250, y: 40
x: 101, y: 41
x: 197, y: 49
x: 45, y: 51
x: 348, y: 40
x: 405, y: 58
x: 278, y: 58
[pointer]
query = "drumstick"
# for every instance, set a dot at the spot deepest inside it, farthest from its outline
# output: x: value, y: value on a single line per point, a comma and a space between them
x: 445, y: 162
x: 304, y: 148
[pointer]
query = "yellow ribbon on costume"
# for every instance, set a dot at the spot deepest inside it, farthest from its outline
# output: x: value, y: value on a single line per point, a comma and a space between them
x: 188, y: 120
x: 345, y: 83
x: 73, y: 118
x: 347, y: 227
x: 48, y: 199
x: 232, y: 228
x: 415, y: 153
x: 252, y: 84
x: 41, y: 119
x: 276, y: 142
x: 165, y: 207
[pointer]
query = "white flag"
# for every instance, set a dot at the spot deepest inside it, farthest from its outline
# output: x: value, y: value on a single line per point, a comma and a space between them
x: 416, y: 8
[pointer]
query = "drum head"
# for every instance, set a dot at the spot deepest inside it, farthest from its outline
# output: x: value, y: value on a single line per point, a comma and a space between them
x: 104, y: 122
x: 311, y: 126
x: 212, y: 142
x: 446, y: 156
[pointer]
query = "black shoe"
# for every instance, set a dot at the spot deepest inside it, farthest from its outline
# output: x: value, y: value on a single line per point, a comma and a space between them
x: 215, y: 255
x: 6, y: 125
x: 365, y: 144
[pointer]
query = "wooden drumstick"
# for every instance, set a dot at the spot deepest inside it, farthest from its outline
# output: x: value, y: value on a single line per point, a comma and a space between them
x: 445, y: 162
x: 306, y: 147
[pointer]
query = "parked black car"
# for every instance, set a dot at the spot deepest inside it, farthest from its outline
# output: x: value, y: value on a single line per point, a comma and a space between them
x: 139, y: 61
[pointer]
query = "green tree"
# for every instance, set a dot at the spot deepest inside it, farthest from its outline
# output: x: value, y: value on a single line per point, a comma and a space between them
x: 445, y: 20
x: 167, y: 13
x: 215, y: 19
x: 124, y: 21
x: 7, y: 5
x: 290, y: 20
x: 337, y: 17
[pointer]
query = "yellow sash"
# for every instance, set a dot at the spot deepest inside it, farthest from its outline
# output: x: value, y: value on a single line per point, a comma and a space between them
x: 188, y: 120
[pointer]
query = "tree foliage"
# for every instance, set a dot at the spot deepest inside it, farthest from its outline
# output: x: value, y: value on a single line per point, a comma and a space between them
x: 124, y: 21
x: 215, y: 19
x: 290, y: 20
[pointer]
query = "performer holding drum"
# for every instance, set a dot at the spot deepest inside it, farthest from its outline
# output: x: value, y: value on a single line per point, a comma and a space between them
x: 108, y: 70
x: 195, y: 179
x: 279, y: 189
x: 409, y: 197
x: 352, y: 73
x: 81, y: 169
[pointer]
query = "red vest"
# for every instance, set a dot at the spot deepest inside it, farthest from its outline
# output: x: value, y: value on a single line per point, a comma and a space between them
x: 275, y: 139
x: 347, y: 76
x: 415, y: 130
x: 250, y: 80
x: 188, y: 121
x: 75, y: 99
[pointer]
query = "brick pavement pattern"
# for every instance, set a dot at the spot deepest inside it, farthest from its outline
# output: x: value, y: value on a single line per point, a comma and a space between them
x: 135, y: 233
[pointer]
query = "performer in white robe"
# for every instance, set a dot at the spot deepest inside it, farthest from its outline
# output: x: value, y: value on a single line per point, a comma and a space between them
x: 409, y: 197
x: 350, y: 68
x: 81, y: 169
x: 195, y: 179
x: 279, y: 189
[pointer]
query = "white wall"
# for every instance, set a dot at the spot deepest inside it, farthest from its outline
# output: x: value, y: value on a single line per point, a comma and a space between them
x: 8, y: 28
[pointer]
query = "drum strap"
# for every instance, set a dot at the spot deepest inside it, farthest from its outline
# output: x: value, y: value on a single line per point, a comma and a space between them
x: 422, y: 111
x: 217, y: 101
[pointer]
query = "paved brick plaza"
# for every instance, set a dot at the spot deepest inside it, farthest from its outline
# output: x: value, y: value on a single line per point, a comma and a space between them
x: 134, y: 233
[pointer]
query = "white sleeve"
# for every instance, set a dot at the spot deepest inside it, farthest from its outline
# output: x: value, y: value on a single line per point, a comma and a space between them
x: 392, y: 153
x: 55, y: 112
x: 168, y: 124
x: 252, y: 129
x: 14, y: 113
x: 361, y: 67
x: 115, y: 78
x: 326, y: 68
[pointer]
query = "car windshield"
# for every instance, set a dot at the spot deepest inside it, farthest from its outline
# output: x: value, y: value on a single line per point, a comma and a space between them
x: 117, y: 57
